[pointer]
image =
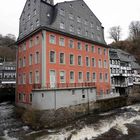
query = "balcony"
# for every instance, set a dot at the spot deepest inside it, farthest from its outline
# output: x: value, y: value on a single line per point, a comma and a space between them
x: 65, y: 85
x: 107, y: 96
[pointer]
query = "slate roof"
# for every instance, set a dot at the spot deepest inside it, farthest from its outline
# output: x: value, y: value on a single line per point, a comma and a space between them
x: 49, y: 16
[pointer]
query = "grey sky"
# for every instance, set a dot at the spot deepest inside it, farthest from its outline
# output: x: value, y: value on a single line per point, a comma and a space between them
x: 110, y: 13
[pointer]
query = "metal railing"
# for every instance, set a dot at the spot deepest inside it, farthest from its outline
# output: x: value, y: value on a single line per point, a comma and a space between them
x: 64, y: 85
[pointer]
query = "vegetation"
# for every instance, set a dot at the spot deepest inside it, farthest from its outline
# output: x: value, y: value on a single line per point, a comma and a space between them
x: 7, y: 48
x: 132, y: 44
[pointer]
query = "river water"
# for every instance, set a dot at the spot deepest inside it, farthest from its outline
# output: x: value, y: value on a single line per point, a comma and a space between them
x: 118, y: 124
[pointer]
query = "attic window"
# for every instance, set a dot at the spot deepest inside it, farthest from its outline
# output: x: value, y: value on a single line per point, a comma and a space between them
x: 62, y: 12
x: 48, y: 15
x: 71, y: 5
x: 83, y: 5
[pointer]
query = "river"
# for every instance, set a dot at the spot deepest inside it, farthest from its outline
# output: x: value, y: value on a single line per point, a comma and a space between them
x: 118, y: 124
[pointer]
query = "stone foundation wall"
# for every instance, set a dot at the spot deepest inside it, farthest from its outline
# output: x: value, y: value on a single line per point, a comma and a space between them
x: 62, y: 116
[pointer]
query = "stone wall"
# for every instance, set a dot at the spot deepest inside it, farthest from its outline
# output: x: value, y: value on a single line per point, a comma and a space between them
x: 62, y: 116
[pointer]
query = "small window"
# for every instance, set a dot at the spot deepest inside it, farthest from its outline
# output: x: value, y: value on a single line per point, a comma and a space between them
x: 79, y: 31
x: 71, y: 28
x: 62, y: 25
x: 88, y: 76
x: 37, y: 58
x: 79, y: 60
x: 30, y: 59
x: 62, y: 58
x: 93, y: 62
x: 86, y: 22
x: 71, y: 16
x: 79, y: 46
x: 62, y: 12
x: 52, y: 39
x: 52, y: 57
x: 30, y: 78
x: 37, y: 40
x: 71, y: 43
x: 83, y: 96
x: 71, y: 76
x: 101, y: 77
x: 94, y: 77
x: 100, y: 63
x: 86, y: 33
x: 62, y: 41
x: 80, y: 76
x: 79, y: 19
x: 37, y: 22
x: 86, y: 48
x: 62, y: 77
x: 91, y: 25
x: 106, y: 77
x: 87, y: 62
x: 71, y: 59
x: 99, y: 51
x: 30, y: 43
x: 37, y: 77
x: 92, y: 48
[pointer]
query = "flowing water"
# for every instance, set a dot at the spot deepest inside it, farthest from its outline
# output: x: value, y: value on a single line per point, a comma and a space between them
x: 118, y: 124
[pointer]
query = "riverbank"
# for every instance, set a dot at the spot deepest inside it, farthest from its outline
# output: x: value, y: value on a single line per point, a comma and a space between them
x: 118, y: 124
x: 63, y: 116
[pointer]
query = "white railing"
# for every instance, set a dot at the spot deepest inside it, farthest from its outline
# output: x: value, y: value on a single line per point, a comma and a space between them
x: 107, y: 96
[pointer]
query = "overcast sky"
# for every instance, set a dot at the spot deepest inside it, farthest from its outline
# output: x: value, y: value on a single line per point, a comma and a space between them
x: 109, y: 12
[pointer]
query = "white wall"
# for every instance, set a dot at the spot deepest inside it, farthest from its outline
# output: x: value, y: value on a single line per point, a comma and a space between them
x: 54, y: 99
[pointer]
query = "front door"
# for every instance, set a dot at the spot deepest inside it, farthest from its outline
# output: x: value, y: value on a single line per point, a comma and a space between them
x: 52, y: 79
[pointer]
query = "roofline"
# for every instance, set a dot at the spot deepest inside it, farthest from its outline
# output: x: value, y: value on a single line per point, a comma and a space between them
x: 60, y: 32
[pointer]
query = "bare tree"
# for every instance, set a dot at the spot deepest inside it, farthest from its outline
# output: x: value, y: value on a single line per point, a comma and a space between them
x: 134, y: 29
x: 115, y: 33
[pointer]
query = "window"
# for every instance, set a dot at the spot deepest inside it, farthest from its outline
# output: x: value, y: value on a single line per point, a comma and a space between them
x: 80, y: 76
x: 20, y: 63
x: 29, y: 16
x: 32, y: 26
x: 71, y: 59
x: 91, y: 25
x: 79, y: 60
x: 30, y: 59
x: 24, y: 61
x: 62, y: 77
x: 101, y: 77
x: 34, y: 11
x: 79, y: 46
x: 24, y: 46
x: 37, y: 60
x: 93, y: 62
x: 52, y: 39
x: 105, y: 52
x: 62, y: 41
x: 71, y: 16
x: 30, y: 98
x: 88, y: 76
x: 79, y: 31
x: 94, y: 77
x: 52, y: 57
x: 86, y: 33
x: 62, y: 12
x: 30, y: 78
x: 92, y: 48
x: 106, y: 77
x: 71, y: 43
x: 92, y: 35
x: 98, y: 28
x: 86, y: 22
x: 100, y: 63
x: 30, y: 43
x: 37, y: 22
x: 86, y: 48
x: 37, y: 40
x: 87, y: 62
x: 99, y: 50
x: 71, y: 76
x: 62, y: 25
x: 20, y: 79
x: 37, y: 78
x: 24, y: 78
x: 71, y: 28
x: 105, y: 64
x: 79, y: 19
x: 62, y: 58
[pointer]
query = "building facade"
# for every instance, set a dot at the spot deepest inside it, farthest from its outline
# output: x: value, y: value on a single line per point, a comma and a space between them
x: 124, y: 71
x: 8, y: 74
x: 60, y: 48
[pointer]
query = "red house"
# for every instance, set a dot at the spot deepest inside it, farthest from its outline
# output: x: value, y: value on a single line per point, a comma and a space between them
x: 63, y: 59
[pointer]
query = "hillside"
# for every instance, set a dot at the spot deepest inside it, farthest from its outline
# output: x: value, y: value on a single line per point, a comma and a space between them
x: 7, y: 48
